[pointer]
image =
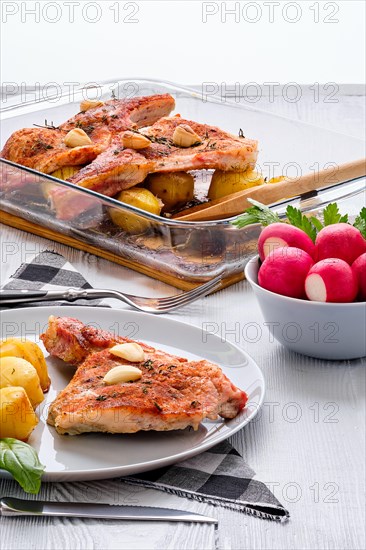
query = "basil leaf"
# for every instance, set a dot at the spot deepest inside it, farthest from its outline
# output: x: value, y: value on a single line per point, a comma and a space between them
x: 21, y: 460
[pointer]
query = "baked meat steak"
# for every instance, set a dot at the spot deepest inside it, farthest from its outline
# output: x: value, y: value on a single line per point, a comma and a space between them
x: 43, y: 149
x: 172, y: 393
x: 119, y: 168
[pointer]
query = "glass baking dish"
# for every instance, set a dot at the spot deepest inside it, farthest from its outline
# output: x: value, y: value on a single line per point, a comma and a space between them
x: 181, y: 253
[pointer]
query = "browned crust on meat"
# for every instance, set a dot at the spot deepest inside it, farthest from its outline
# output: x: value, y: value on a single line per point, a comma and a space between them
x: 43, y: 149
x: 125, y: 167
x: 173, y: 393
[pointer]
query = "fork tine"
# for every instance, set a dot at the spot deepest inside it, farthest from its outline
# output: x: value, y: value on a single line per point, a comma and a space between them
x: 198, y: 291
x: 166, y: 309
x: 186, y: 298
x: 195, y: 290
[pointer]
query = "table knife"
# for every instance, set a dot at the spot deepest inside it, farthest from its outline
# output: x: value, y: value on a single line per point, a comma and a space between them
x: 12, y: 507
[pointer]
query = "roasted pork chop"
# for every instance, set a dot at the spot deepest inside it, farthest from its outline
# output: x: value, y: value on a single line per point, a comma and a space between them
x: 118, y: 168
x: 127, y: 167
x: 173, y: 393
x: 43, y: 149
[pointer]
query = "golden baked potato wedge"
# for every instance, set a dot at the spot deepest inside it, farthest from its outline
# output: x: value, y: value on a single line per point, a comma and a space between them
x: 277, y: 179
x: 63, y: 173
x: 15, y: 371
x: 17, y: 417
x: 30, y: 351
x: 225, y: 183
x: 140, y: 198
x: 174, y: 189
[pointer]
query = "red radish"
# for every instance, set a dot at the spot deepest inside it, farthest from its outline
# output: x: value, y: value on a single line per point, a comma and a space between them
x: 331, y: 280
x: 339, y: 240
x: 359, y: 269
x: 279, y: 234
x: 284, y: 271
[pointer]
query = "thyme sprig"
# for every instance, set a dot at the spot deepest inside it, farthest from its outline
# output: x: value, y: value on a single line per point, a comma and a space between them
x: 46, y: 125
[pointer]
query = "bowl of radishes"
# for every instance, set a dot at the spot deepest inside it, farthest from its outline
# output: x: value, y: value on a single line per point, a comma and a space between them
x: 310, y: 280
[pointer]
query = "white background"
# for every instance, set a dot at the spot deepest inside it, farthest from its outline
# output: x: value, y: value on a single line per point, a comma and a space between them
x: 325, y: 42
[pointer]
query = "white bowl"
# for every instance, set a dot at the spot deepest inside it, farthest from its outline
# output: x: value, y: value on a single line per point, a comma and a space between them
x: 322, y: 330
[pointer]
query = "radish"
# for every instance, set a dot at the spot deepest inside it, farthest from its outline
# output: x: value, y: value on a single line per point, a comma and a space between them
x: 339, y: 240
x: 278, y: 235
x: 331, y: 280
x: 359, y: 269
x: 284, y: 271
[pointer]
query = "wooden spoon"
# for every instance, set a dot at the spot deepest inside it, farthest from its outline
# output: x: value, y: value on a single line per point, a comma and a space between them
x: 269, y: 193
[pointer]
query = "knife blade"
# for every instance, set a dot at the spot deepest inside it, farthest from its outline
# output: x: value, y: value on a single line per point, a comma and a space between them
x: 12, y: 507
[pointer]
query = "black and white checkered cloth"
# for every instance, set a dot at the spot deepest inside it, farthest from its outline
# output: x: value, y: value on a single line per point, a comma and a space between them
x: 48, y: 271
x: 219, y: 476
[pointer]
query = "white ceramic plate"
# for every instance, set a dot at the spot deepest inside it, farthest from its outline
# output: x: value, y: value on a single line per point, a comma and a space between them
x: 101, y: 456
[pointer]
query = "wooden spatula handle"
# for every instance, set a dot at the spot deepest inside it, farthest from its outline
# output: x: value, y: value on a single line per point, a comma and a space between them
x: 236, y: 203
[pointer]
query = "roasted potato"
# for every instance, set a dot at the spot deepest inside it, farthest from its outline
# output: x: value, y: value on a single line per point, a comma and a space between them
x: 140, y: 198
x: 30, y: 351
x: 225, y: 183
x: 174, y: 189
x: 17, y: 417
x: 62, y: 174
x: 15, y: 371
x: 66, y: 172
x: 277, y: 179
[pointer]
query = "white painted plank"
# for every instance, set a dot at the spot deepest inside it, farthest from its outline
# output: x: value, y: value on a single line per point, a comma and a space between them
x: 317, y: 461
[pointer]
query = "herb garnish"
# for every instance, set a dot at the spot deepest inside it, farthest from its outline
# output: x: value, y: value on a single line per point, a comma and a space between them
x: 148, y: 364
x: 22, y: 462
x: 39, y: 146
x: 101, y: 397
x: 360, y: 222
x: 46, y: 125
x: 260, y: 213
x: 87, y: 129
x: 296, y: 218
x: 157, y: 406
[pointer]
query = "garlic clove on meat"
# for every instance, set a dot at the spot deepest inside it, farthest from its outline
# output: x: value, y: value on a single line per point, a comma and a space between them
x: 185, y: 136
x: 87, y: 104
x: 130, y: 351
x: 77, y: 138
x: 121, y: 374
x: 134, y: 140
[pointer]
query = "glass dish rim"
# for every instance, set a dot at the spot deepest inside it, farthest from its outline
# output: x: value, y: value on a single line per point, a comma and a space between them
x: 176, y: 222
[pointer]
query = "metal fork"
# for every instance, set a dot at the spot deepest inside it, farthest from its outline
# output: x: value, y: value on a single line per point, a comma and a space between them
x: 148, y: 305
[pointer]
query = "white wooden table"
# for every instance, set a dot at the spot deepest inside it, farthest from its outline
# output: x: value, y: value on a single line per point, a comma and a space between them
x: 307, y: 443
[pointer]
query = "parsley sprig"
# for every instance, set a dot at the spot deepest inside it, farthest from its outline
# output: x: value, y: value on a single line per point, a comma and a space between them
x: 260, y: 213
x: 296, y: 218
x: 360, y: 222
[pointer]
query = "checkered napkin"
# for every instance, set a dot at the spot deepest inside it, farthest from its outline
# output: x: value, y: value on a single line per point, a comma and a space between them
x: 219, y: 476
x: 48, y: 271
